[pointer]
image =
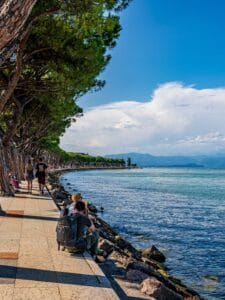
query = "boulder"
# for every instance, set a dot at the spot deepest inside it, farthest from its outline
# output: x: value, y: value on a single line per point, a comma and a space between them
x: 140, y: 266
x: 121, y: 243
x: 127, y: 247
x: 118, y: 237
x: 106, y: 246
x: 156, y: 265
x: 61, y: 196
x: 99, y: 259
x: 121, y: 258
x: 154, y: 253
x: 156, y: 289
x: 135, y: 276
x: 92, y: 208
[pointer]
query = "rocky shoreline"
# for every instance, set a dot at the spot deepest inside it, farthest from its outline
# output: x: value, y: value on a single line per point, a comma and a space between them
x: 139, y: 274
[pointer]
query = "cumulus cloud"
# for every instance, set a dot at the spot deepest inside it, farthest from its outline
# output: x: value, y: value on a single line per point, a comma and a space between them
x: 177, y: 119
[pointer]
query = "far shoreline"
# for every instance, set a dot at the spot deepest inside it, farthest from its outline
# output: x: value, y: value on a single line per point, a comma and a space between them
x: 62, y: 170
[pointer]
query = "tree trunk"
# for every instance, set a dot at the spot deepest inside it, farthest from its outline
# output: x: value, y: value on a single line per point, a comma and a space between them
x: 17, y: 163
x: 13, y: 16
x: 6, y: 188
x: 7, y: 93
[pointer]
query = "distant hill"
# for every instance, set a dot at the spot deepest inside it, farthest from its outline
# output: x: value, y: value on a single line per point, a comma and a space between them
x: 148, y: 160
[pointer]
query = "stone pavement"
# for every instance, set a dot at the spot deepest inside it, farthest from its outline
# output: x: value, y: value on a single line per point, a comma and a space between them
x: 31, y: 267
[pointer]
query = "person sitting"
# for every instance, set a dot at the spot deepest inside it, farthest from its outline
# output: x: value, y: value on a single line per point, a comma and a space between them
x: 87, y: 234
x: 14, y: 184
x: 64, y: 211
x: 76, y: 198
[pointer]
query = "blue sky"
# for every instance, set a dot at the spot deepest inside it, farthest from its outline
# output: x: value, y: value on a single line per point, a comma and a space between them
x: 163, y: 41
x: 165, y: 84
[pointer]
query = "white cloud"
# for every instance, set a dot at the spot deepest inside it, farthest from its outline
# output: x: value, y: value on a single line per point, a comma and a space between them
x: 177, y: 120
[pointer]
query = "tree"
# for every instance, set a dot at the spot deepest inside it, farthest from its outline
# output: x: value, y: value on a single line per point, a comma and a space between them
x: 60, y: 53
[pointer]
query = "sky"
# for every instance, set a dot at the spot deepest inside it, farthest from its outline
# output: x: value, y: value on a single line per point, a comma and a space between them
x: 165, y: 84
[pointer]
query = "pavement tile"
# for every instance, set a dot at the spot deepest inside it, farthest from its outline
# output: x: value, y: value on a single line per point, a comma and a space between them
x: 8, y: 245
x: 5, y: 235
x: 10, y: 227
x: 37, y: 293
x: 39, y: 270
x: 68, y: 292
x: 6, y: 291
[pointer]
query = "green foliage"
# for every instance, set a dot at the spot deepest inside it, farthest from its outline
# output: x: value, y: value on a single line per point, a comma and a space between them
x: 67, y: 48
x: 89, y: 159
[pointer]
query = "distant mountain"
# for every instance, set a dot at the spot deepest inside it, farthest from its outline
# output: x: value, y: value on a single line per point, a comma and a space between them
x: 148, y: 160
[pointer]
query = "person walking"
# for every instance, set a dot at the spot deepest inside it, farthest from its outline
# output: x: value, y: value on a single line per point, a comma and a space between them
x: 41, y: 168
x: 29, y: 176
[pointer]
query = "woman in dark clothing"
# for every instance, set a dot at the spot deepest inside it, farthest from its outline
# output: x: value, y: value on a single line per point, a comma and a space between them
x: 29, y: 176
x: 40, y: 174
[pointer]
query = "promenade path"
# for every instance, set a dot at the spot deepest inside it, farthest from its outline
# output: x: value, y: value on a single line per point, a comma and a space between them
x: 31, y: 267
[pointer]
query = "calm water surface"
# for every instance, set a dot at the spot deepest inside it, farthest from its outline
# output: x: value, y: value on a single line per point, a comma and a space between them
x: 181, y: 211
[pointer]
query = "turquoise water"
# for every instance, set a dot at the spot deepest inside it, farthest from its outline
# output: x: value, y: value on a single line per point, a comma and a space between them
x: 181, y: 211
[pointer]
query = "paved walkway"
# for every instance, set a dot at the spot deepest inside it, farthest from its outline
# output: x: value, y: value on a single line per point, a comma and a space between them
x: 31, y: 267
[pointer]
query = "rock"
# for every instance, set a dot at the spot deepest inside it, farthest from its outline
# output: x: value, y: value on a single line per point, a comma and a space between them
x: 127, y: 247
x: 121, y: 258
x: 113, y: 268
x: 107, y: 228
x: 99, y: 259
x: 140, y: 266
x: 163, y: 273
x: 121, y: 243
x: 156, y: 265
x: 106, y: 246
x: 154, y: 253
x: 92, y: 208
x: 174, y: 280
x: 118, y: 237
x: 135, y: 276
x: 133, y: 286
x: 61, y: 196
x: 156, y: 289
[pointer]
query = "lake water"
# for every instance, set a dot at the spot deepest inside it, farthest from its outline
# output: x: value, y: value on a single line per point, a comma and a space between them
x: 180, y: 210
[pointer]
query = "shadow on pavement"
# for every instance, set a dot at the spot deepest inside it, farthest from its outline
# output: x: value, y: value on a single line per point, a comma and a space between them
x: 51, y: 276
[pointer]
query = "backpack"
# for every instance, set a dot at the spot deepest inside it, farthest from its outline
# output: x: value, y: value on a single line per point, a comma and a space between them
x: 66, y: 233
